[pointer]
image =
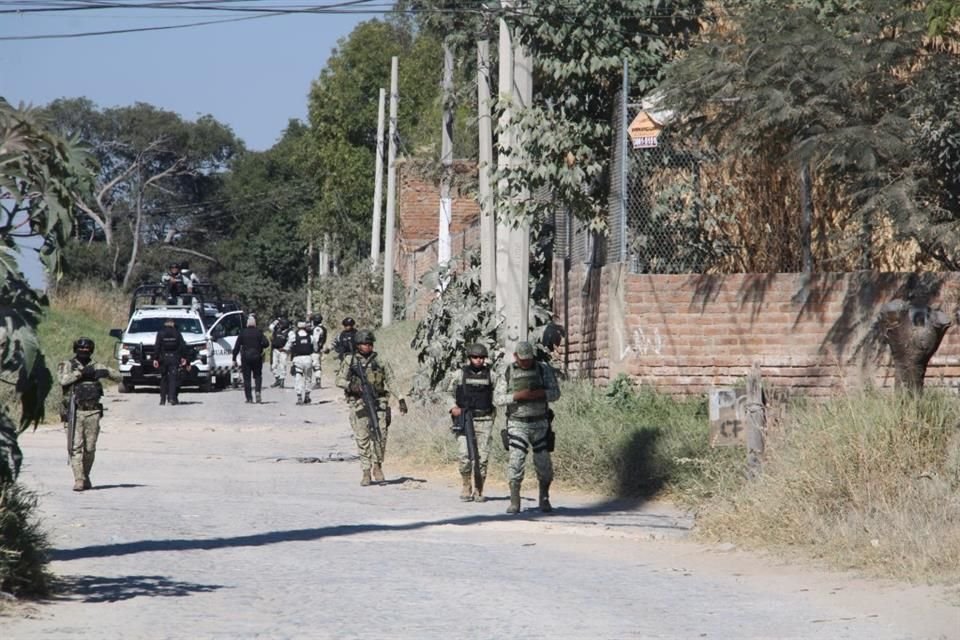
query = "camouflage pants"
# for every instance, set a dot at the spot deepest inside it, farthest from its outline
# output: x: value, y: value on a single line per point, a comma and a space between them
x: 84, y: 443
x: 483, y: 427
x: 303, y: 375
x: 528, y: 437
x: 278, y: 364
x: 317, y: 366
x: 370, y: 452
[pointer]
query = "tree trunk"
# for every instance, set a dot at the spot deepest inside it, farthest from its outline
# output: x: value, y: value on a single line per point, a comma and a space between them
x: 914, y: 334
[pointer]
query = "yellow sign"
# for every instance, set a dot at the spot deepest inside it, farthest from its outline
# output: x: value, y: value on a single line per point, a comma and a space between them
x: 644, y: 131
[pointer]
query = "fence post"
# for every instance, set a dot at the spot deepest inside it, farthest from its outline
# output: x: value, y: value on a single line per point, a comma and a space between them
x: 756, y: 422
x: 624, y: 160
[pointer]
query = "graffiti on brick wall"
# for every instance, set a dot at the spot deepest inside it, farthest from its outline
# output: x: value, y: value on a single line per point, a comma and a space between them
x: 642, y: 344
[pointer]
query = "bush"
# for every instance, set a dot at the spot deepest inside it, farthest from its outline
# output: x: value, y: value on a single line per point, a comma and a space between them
x: 24, y: 547
x: 868, y: 481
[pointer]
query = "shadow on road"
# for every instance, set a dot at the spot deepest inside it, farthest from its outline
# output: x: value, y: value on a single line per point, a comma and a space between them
x: 102, y: 487
x: 103, y: 589
x: 560, y: 514
x: 402, y: 480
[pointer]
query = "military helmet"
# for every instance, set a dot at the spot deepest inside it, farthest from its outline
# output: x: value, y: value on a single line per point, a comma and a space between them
x: 316, y: 318
x: 477, y: 349
x: 364, y: 337
x: 83, y: 344
x: 173, y: 265
x: 348, y: 322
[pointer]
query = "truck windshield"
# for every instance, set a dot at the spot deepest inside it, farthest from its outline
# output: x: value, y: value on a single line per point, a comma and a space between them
x: 150, y: 325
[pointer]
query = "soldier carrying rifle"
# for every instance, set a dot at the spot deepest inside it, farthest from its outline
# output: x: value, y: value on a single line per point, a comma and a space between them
x: 471, y: 396
x: 80, y: 379
x: 368, y: 385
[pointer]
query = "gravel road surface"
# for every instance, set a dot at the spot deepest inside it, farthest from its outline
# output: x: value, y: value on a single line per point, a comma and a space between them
x: 219, y: 519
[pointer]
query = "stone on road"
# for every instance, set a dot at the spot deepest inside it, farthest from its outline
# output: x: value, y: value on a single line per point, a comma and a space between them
x: 219, y: 519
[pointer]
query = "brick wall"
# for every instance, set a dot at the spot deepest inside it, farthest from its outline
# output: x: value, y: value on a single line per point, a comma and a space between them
x: 418, y: 211
x: 687, y: 333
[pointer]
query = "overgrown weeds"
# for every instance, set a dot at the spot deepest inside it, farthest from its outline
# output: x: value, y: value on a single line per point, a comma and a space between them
x: 24, y: 547
x: 868, y: 481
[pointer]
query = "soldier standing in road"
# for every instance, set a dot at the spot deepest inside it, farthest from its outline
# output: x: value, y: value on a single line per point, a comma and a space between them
x: 471, y: 387
x: 300, y: 347
x: 343, y: 344
x: 526, y: 389
x: 80, y: 380
x: 278, y: 357
x: 319, y: 335
x: 380, y: 378
x: 249, y: 346
x: 170, y: 351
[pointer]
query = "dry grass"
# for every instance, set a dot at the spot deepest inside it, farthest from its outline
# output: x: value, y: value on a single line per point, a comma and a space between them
x: 867, y: 482
x: 103, y: 306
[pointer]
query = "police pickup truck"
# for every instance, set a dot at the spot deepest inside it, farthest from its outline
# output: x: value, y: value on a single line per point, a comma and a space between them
x: 209, y: 333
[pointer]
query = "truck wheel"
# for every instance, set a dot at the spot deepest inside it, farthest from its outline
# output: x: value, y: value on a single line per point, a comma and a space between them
x: 205, y: 386
x: 125, y: 386
x: 222, y: 382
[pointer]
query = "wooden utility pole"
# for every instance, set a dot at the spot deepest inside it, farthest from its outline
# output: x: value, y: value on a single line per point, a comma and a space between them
x: 387, y: 315
x: 756, y: 422
x: 378, y: 184
x: 488, y: 218
x: 446, y: 157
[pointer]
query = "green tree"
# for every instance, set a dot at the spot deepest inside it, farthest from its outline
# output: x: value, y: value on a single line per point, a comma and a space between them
x: 267, y: 194
x: 579, y: 50
x: 158, y: 174
x: 343, y: 121
x: 849, y: 88
x: 42, y: 176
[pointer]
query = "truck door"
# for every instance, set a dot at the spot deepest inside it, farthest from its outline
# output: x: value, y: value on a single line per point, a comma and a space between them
x: 221, y: 338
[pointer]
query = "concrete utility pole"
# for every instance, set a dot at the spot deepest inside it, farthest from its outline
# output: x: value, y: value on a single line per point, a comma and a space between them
x: 446, y: 157
x: 513, y: 242
x: 323, y: 259
x: 488, y: 218
x: 378, y: 184
x: 310, y: 278
x: 387, y: 316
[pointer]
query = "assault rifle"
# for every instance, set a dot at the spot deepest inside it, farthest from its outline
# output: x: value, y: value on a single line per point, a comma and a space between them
x: 370, y: 403
x: 71, y: 423
x: 463, y: 425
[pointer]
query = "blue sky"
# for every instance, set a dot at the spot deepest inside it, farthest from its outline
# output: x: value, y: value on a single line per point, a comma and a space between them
x: 253, y: 75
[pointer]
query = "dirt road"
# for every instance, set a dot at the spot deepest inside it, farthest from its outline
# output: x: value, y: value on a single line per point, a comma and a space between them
x: 217, y: 519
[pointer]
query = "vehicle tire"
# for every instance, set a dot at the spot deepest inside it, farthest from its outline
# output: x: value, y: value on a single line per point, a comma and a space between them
x: 205, y: 386
x: 222, y: 382
x: 125, y: 387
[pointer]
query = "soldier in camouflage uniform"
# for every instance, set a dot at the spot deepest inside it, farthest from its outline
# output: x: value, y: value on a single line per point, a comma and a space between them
x: 526, y: 388
x: 472, y: 387
x: 80, y: 378
x: 380, y: 378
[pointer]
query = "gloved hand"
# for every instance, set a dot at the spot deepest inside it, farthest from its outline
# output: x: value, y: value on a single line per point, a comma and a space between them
x: 101, y: 374
x: 355, y: 388
x: 88, y: 372
x: 403, y: 407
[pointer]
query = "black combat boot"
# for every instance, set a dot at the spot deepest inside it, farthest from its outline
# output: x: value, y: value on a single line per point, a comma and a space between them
x: 514, y: 497
x: 259, y: 401
x: 545, y: 505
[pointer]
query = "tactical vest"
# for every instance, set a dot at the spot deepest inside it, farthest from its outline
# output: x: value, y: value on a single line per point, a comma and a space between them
x: 169, y: 345
x: 475, y: 391
x: 345, y: 342
x: 279, y: 339
x: 375, y: 373
x: 88, y: 394
x: 519, y: 378
x: 302, y: 344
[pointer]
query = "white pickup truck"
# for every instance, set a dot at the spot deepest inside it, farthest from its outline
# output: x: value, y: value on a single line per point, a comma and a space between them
x: 210, y: 338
